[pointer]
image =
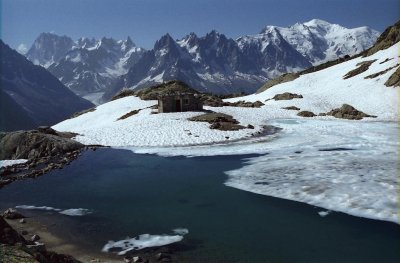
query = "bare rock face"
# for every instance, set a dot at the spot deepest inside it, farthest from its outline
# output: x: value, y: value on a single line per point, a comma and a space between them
x: 348, y: 112
x: 362, y: 67
x: 35, y: 144
x: 287, y: 96
x: 394, y: 79
x: 306, y: 114
x: 388, y: 38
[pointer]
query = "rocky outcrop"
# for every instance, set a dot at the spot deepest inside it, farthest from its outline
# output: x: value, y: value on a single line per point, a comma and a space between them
x: 129, y: 114
x: 362, y: 67
x: 45, y: 149
x: 170, y: 87
x: 306, y: 114
x: 14, y: 248
x: 35, y: 144
x: 123, y: 93
x: 166, y: 88
x: 348, y: 112
x: 245, y: 104
x: 394, y: 79
x: 387, y: 39
x: 219, y: 121
x: 287, y: 96
x: 291, y: 108
x: 12, y: 213
x: 372, y: 76
x: 281, y: 79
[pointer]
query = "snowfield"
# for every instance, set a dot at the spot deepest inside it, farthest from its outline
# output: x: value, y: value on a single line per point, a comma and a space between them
x: 326, y: 89
x: 339, y: 165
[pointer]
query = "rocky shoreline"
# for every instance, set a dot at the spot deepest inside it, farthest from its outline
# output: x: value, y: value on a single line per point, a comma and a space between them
x: 26, y: 240
x: 14, y: 247
x: 44, y: 148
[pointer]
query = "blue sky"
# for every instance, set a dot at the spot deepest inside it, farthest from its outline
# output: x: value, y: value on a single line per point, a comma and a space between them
x: 147, y: 20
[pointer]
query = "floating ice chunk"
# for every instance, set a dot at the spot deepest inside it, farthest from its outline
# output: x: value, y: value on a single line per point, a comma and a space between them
x: 324, y: 213
x: 181, y: 231
x: 75, y: 212
x: 68, y: 212
x: 140, y: 242
x: 43, y: 208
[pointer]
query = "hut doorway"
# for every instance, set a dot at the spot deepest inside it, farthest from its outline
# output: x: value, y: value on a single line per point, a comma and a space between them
x: 178, y: 105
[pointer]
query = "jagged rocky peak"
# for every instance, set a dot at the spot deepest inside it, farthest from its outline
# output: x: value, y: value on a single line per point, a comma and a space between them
x: 85, y: 42
x: 49, y: 48
x: 189, y: 40
x: 215, y: 36
x: 127, y: 44
x: 165, y: 41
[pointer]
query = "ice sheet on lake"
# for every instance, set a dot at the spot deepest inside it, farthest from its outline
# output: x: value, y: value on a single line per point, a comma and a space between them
x: 144, y: 241
x: 68, y: 212
x: 344, y: 166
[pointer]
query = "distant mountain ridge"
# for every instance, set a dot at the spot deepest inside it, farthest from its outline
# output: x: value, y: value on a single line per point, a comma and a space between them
x: 86, y: 65
x: 30, y: 96
x: 212, y: 63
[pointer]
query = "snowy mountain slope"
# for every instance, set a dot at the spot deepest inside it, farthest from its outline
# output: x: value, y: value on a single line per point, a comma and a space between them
x: 88, y: 65
x: 326, y: 89
x: 42, y: 99
x: 317, y: 40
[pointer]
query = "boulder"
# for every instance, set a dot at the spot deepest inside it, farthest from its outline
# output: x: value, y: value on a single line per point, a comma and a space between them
x: 307, y: 114
x: 291, y: 108
x: 219, y: 121
x: 287, y: 96
x: 37, y: 247
x: 35, y: 238
x: 214, y: 117
x: 12, y: 213
x: 348, y: 112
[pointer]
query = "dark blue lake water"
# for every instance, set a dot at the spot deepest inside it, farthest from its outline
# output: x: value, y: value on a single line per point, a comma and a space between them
x: 133, y: 194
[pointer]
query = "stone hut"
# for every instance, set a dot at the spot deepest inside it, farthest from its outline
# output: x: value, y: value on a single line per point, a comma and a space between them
x: 178, y: 102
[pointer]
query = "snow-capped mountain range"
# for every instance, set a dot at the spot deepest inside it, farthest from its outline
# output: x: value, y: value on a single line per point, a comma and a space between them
x: 87, y: 65
x: 212, y: 63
